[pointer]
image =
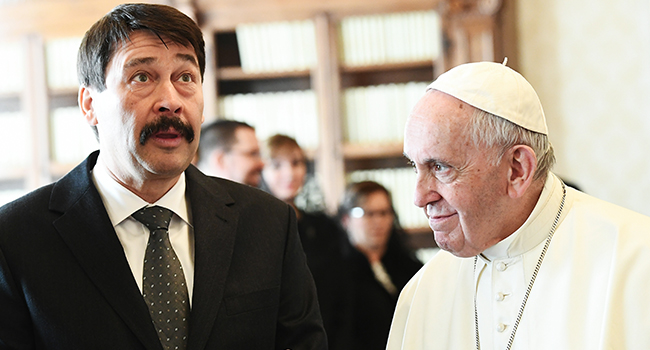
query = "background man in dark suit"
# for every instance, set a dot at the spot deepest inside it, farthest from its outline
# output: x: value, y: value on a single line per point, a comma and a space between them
x: 229, y: 149
x: 71, y: 254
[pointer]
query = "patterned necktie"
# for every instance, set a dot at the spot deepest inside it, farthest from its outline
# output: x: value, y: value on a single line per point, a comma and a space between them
x: 163, y: 286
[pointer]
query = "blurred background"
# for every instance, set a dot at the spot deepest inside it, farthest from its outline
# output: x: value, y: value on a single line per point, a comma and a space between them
x: 340, y: 76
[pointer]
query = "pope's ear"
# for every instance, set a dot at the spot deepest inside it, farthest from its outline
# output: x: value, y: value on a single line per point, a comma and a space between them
x: 521, y: 171
x: 86, y: 105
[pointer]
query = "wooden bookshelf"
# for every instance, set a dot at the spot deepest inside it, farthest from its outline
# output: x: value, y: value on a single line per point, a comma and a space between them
x: 472, y: 30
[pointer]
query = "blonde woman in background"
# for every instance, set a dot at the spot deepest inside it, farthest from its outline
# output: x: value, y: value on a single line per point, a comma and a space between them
x: 284, y: 175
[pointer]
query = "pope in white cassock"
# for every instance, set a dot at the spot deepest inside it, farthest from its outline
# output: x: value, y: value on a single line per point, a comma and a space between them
x: 528, y: 263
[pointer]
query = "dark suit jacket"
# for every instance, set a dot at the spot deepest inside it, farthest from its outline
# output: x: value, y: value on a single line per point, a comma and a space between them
x: 65, y: 282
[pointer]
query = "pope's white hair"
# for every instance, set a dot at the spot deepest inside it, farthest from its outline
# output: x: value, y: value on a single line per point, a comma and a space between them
x: 493, y: 132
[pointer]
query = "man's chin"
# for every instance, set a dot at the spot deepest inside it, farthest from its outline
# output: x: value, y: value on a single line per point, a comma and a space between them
x: 445, y: 241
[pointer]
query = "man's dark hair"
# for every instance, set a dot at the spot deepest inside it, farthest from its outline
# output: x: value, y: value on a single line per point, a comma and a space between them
x: 105, y: 36
x: 219, y: 135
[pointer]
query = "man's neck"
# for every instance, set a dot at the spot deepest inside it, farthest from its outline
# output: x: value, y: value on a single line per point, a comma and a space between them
x: 149, y: 189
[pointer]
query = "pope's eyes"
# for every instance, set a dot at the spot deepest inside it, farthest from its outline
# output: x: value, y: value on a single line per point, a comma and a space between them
x: 439, y: 167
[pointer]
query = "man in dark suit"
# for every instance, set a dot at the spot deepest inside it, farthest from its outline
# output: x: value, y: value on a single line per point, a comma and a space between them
x: 71, y: 253
x: 229, y: 149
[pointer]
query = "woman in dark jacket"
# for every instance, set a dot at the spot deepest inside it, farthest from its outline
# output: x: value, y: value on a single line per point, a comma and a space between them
x: 380, y: 264
x: 321, y: 236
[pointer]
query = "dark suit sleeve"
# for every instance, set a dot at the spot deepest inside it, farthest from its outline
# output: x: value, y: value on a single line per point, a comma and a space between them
x: 15, y: 325
x: 299, y: 320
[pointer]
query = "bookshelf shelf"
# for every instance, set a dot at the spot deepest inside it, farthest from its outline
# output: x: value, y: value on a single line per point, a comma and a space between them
x: 372, y: 150
x: 390, y: 74
x: 9, y: 96
x: 398, y: 66
x: 64, y: 91
x: 237, y: 73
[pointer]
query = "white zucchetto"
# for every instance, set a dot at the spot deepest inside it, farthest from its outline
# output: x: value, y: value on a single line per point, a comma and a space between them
x: 497, y: 89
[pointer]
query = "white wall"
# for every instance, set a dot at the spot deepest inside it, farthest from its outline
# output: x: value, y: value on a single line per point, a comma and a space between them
x: 589, y: 61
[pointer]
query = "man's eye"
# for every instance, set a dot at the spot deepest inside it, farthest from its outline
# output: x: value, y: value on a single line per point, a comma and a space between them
x: 186, y: 78
x: 440, y: 167
x: 141, y: 78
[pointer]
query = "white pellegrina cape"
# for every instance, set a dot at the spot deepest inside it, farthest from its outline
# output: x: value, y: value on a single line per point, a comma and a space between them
x: 592, y: 291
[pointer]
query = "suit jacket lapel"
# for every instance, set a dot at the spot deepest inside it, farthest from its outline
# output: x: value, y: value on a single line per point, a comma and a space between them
x: 215, y: 224
x: 86, y: 228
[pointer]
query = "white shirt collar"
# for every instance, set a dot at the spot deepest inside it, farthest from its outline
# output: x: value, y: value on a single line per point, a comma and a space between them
x: 120, y: 203
x: 537, y: 226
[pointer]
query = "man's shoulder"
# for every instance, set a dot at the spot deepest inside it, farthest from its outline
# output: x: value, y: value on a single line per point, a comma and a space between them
x: 598, y: 210
x: 26, y: 214
x: 29, y: 203
x: 606, y: 225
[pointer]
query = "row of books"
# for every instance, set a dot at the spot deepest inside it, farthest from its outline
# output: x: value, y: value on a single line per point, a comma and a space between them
x: 293, y: 113
x: 401, y: 183
x: 71, y: 137
x: 12, y: 60
x: 61, y: 62
x: 378, y: 113
x: 277, y: 46
x: 365, y: 40
x: 390, y: 38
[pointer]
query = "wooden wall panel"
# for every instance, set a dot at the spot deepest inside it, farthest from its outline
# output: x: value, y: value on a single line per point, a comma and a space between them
x: 53, y: 18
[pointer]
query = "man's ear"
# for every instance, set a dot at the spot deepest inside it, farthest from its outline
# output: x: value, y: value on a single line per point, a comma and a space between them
x: 86, y: 105
x: 217, y: 158
x: 521, y: 171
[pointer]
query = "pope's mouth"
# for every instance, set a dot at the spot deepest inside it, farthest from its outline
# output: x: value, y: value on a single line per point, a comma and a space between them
x: 436, y: 221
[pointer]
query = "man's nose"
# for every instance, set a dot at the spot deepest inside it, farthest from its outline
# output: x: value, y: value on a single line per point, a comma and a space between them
x: 168, y: 98
x: 426, y: 190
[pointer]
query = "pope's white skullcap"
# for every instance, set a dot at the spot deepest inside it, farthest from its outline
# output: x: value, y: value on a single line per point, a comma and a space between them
x: 496, y: 89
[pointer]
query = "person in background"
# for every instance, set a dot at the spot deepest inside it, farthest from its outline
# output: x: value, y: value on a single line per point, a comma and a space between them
x: 135, y: 248
x: 283, y: 176
x: 527, y: 262
x: 380, y: 263
x: 229, y: 149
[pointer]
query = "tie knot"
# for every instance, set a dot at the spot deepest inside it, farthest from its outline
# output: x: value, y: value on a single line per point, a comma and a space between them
x: 154, y: 218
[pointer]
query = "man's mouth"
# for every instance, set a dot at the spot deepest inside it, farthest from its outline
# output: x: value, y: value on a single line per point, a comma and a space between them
x: 167, y: 128
x: 168, y: 134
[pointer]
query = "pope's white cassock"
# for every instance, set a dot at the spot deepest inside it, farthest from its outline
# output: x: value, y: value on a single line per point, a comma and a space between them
x: 592, y: 290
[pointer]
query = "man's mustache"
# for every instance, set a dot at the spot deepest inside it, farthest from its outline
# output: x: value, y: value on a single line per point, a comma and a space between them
x: 165, y: 123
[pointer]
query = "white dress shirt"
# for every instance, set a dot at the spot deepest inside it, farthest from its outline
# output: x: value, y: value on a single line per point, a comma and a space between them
x: 120, y: 203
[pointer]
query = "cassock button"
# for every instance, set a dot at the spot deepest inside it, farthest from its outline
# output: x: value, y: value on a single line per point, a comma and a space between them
x: 500, y: 296
x: 501, y: 327
x: 501, y: 266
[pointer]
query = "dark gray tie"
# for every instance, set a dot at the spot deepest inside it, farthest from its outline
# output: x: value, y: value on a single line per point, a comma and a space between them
x: 163, y: 285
